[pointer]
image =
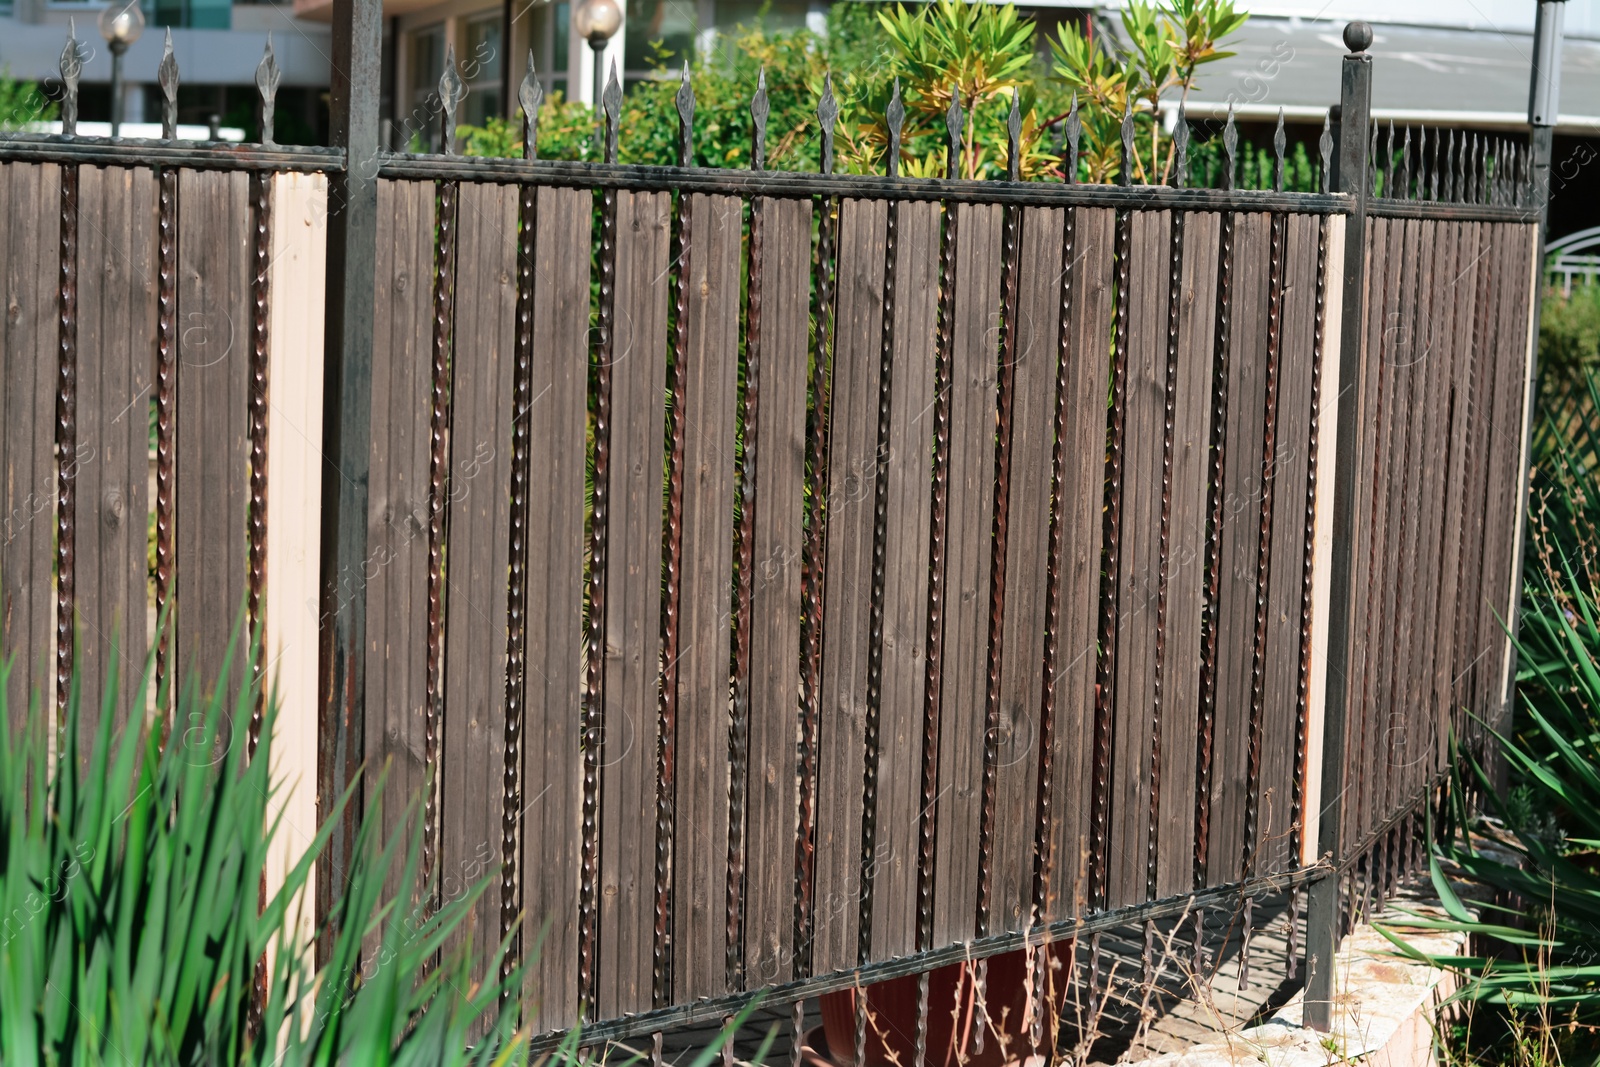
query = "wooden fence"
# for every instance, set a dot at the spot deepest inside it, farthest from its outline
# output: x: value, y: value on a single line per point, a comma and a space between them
x: 901, y: 572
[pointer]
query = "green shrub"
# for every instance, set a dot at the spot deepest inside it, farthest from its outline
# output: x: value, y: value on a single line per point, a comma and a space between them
x: 131, y: 922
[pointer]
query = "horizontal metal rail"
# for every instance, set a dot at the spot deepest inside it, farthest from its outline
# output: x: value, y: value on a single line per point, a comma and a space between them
x: 139, y: 151
x: 719, y: 1009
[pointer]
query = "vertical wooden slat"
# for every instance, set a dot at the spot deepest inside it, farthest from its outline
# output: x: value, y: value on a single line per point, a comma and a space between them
x: 1239, y: 542
x: 1191, y: 440
x: 1139, y: 568
x: 974, y: 365
x: 1281, y: 661
x: 633, y: 606
x: 297, y: 289
x: 477, y: 559
x: 397, y: 539
x: 553, y: 759
x: 1036, y: 364
x: 708, y: 378
x: 30, y: 220
x: 908, y: 459
x: 1080, y: 489
x: 212, y: 421
x: 852, y: 468
x: 116, y: 334
x: 1383, y: 286
x: 773, y: 798
x: 1400, y: 353
x: 1455, y: 281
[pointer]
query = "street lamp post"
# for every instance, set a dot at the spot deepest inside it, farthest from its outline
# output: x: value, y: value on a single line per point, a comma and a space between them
x: 121, y: 23
x: 597, y: 21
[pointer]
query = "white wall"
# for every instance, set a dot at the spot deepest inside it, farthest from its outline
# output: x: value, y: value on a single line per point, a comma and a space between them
x: 1510, y: 16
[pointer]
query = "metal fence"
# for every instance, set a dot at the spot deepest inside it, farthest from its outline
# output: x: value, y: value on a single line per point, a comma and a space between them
x: 902, y: 572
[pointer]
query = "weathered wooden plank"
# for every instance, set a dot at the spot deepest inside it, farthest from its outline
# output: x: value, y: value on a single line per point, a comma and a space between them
x: 212, y: 421
x: 780, y: 458
x: 633, y: 606
x: 398, y: 496
x: 709, y: 381
x: 553, y: 763
x: 1186, y: 544
x: 296, y: 288
x: 1035, y: 366
x: 1456, y: 306
x: 974, y: 363
x: 1394, y: 352
x: 116, y: 334
x: 1384, y: 287
x: 1433, y: 375
x: 1137, y: 688
x: 30, y: 234
x: 1239, y: 543
x: 847, y: 596
x: 479, y: 502
x: 1088, y: 270
x: 1286, y: 574
x: 908, y: 462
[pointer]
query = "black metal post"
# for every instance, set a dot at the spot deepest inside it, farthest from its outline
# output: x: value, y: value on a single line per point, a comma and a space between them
x: 118, y: 90
x: 347, y: 412
x: 1350, y: 164
x: 1544, y: 100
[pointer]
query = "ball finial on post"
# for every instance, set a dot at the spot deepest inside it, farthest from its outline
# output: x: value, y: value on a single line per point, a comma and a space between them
x: 1358, y: 36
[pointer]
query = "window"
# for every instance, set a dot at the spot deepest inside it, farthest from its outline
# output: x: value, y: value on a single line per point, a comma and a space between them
x: 424, y: 64
x: 480, y: 59
x: 191, y: 14
x: 660, y: 33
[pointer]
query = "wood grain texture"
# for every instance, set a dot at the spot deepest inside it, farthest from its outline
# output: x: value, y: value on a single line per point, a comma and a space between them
x: 773, y: 799
x: 1286, y: 574
x: 908, y: 459
x: 479, y: 513
x: 397, y: 502
x: 709, y: 376
x: 1238, y: 543
x: 116, y: 334
x: 1081, y: 480
x: 974, y: 365
x: 1139, y: 572
x: 1035, y: 365
x: 212, y: 423
x: 1186, y: 543
x: 553, y: 759
x: 633, y: 606
x: 852, y: 469
x: 30, y: 228
x: 1455, y: 308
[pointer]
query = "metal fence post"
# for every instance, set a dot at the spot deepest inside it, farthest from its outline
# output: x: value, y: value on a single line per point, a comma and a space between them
x: 1349, y: 176
x: 1544, y: 101
x: 347, y: 413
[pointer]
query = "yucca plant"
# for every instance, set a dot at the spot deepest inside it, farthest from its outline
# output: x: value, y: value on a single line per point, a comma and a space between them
x: 133, y: 925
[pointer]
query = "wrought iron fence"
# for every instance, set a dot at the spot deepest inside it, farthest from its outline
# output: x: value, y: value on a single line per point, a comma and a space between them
x: 902, y: 572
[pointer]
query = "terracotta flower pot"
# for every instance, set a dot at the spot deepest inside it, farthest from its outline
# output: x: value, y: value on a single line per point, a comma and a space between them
x: 953, y: 1018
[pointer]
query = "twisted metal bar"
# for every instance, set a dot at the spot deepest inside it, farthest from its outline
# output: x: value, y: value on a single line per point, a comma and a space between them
x: 927, y: 828
x: 438, y: 517
x: 1105, y: 696
x: 261, y: 254
x: 516, y: 589
x: 1269, y: 447
x: 1044, y: 846
x: 671, y: 614
x: 1174, y: 317
x: 872, y: 732
x: 739, y: 736
x: 594, y: 689
x: 166, y: 383
x: 814, y: 558
x: 1219, y: 439
x: 66, y: 443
